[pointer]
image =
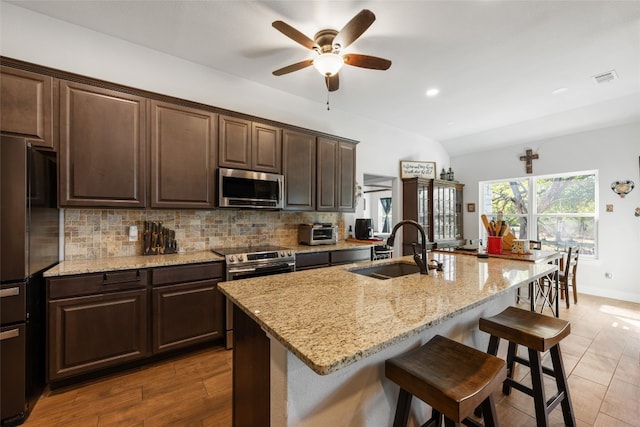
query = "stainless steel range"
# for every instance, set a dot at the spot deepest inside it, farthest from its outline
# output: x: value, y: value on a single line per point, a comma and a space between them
x: 244, y: 263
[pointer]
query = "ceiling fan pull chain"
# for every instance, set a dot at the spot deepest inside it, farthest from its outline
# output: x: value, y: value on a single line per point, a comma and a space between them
x: 328, y: 107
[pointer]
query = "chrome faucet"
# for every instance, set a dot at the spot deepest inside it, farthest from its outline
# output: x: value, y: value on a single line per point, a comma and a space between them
x: 420, y: 261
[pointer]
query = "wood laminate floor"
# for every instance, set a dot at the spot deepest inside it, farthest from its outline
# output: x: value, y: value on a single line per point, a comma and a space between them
x: 602, y: 356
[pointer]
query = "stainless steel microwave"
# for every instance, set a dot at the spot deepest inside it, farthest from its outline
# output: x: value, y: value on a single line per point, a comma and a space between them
x: 249, y: 189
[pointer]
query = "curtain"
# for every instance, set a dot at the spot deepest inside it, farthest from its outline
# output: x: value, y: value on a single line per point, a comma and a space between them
x: 385, y: 202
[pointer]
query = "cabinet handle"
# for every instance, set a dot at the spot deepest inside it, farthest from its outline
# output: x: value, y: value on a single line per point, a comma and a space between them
x: 12, y: 333
x: 9, y: 292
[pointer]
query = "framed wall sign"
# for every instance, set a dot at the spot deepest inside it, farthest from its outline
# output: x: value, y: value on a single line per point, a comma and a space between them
x: 471, y: 207
x: 410, y: 169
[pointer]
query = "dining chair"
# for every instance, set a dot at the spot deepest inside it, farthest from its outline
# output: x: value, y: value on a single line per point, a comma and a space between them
x: 568, y: 275
x: 533, y: 245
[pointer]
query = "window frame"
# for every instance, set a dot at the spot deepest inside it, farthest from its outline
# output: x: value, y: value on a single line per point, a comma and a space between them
x: 533, y: 216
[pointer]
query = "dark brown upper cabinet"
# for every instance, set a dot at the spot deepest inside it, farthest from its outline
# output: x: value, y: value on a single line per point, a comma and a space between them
x: 183, y: 149
x: 249, y: 145
x: 346, y: 176
x: 299, y: 169
x: 102, y: 147
x: 336, y: 175
x: 26, y: 102
x: 327, y: 158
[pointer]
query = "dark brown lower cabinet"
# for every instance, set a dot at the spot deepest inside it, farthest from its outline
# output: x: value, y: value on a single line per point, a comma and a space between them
x: 309, y: 260
x: 348, y: 256
x: 186, y: 314
x: 251, y: 372
x: 96, y: 331
x: 102, y: 320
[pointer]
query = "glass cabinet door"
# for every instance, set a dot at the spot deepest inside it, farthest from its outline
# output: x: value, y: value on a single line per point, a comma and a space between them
x: 424, y: 211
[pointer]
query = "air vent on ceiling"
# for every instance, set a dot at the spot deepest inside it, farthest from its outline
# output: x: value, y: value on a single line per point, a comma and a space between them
x: 607, y: 77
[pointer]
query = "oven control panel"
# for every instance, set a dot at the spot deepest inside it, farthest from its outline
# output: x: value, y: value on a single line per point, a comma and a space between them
x: 259, y: 256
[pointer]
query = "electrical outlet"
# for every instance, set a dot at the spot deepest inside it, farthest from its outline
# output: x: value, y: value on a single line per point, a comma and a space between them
x: 608, y: 275
x: 609, y: 208
x: 133, y: 233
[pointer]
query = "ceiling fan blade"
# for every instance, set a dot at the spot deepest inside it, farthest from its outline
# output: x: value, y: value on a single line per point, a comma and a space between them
x: 293, y: 34
x: 366, y: 61
x: 333, y: 82
x: 354, y: 28
x: 293, y: 67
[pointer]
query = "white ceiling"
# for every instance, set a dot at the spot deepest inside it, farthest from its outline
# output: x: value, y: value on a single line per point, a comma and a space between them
x: 496, y: 63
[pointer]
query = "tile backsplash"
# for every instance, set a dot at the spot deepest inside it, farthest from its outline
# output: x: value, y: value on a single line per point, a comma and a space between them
x: 102, y: 233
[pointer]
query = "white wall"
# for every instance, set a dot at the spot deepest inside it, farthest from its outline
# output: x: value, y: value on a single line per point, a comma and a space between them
x: 36, y: 38
x: 615, y: 153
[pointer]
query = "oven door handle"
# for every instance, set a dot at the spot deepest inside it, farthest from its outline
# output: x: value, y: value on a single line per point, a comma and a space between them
x: 283, y: 266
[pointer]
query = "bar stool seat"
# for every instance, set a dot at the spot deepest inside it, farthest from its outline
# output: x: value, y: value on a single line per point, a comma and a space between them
x: 450, y: 377
x: 538, y: 333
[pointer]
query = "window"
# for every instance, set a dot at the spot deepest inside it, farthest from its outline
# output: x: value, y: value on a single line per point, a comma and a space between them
x: 559, y: 210
x: 384, y: 215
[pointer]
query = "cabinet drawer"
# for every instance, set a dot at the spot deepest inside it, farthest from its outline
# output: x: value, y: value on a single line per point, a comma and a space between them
x: 13, y: 302
x: 312, y: 260
x: 186, y: 273
x: 350, y: 255
x: 86, y: 284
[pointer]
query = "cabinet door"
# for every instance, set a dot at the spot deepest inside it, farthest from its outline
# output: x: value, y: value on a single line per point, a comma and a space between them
x: 328, y: 174
x: 183, y: 148
x: 459, y: 202
x: 186, y: 314
x: 26, y: 102
x: 266, y: 148
x: 445, y: 211
x: 417, y: 205
x: 346, y: 176
x: 235, y: 143
x: 93, y: 332
x: 299, y: 167
x: 102, y: 147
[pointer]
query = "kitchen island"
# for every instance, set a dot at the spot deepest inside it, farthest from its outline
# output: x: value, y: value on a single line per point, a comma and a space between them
x: 311, y: 345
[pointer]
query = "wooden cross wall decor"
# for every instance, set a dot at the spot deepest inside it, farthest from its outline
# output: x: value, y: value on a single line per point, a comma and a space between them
x: 529, y: 157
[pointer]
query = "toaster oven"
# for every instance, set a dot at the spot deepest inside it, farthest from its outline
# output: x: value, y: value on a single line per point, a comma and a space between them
x: 317, y: 234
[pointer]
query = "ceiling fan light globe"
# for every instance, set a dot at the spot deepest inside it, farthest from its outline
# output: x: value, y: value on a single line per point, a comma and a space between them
x: 328, y: 64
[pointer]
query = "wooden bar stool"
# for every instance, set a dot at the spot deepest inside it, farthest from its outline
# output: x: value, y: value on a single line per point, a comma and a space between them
x: 538, y: 333
x: 451, y: 378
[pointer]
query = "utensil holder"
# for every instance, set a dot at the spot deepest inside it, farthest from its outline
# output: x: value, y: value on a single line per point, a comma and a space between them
x: 494, y: 245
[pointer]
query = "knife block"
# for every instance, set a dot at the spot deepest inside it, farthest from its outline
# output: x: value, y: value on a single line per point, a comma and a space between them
x: 158, y: 240
x: 506, y: 241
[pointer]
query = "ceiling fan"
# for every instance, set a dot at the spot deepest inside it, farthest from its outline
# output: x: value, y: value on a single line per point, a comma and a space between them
x: 328, y: 44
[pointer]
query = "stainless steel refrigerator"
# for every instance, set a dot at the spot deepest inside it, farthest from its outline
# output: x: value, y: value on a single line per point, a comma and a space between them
x: 29, y: 236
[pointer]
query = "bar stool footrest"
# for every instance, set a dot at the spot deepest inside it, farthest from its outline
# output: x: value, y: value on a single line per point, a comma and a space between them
x: 525, y: 362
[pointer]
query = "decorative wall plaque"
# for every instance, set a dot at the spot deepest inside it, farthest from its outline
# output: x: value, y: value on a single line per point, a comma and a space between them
x: 410, y: 169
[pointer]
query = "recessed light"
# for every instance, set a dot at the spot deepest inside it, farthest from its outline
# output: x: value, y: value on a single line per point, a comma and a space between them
x: 559, y: 90
x: 432, y: 92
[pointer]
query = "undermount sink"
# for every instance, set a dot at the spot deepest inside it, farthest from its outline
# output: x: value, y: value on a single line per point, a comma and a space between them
x: 388, y: 271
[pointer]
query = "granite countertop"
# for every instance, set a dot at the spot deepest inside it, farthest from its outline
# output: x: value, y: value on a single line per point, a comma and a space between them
x: 341, y: 245
x: 358, y: 315
x: 67, y: 268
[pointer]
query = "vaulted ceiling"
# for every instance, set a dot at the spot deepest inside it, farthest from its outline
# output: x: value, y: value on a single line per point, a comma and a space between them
x: 508, y: 71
